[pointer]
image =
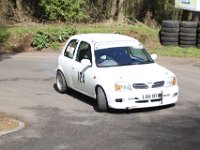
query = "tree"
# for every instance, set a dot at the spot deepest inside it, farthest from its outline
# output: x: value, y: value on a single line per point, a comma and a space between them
x: 64, y: 10
x: 117, y: 10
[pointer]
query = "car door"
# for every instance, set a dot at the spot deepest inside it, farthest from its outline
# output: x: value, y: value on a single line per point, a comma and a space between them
x: 82, y: 75
x: 68, y: 61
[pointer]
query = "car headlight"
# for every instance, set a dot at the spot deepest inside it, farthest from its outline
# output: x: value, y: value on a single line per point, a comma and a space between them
x: 122, y: 86
x: 171, y: 82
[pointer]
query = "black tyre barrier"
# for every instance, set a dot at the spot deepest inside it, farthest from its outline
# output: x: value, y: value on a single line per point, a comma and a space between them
x: 169, y: 39
x: 170, y: 30
x: 169, y: 34
x: 198, y: 29
x: 183, y: 34
x: 170, y: 23
x: 188, y: 42
x: 169, y: 43
x: 188, y: 30
x: 198, y: 34
x: 187, y: 38
x: 185, y: 45
x: 188, y: 24
x: 198, y: 40
x: 188, y: 34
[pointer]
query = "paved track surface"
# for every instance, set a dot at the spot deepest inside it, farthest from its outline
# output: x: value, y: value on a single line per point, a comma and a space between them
x: 71, y: 122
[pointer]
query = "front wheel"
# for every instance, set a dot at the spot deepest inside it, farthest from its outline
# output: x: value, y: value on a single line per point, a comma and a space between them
x: 61, y: 83
x: 101, y: 100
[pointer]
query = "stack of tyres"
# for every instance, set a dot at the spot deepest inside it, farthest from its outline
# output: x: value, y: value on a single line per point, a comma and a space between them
x: 188, y: 34
x: 169, y: 33
x: 198, y: 36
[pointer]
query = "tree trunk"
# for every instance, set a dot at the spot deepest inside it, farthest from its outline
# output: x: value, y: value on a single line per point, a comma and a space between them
x: 20, y: 10
x: 19, y: 6
x: 116, y: 10
x: 113, y: 11
x: 121, y: 17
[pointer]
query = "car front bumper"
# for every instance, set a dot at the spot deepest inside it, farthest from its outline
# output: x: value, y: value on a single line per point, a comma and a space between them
x: 143, y: 98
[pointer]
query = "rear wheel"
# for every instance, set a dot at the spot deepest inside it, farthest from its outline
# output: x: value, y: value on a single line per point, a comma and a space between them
x: 61, y: 83
x: 101, y: 100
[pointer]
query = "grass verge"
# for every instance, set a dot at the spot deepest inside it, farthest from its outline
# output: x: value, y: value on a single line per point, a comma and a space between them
x: 177, y: 51
x: 19, y: 38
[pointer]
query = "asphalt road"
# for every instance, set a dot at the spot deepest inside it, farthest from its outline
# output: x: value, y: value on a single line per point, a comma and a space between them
x: 71, y: 122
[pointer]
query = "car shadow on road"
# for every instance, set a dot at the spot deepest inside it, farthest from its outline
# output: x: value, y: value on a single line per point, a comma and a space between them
x: 141, y: 110
x: 92, y: 102
x: 81, y: 97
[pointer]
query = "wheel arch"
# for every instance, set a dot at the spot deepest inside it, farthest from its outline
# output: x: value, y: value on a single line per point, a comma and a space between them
x: 60, y: 70
x: 98, y: 85
x: 102, y: 107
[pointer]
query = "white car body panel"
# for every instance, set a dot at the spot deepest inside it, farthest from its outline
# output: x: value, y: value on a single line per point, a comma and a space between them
x: 106, y: 77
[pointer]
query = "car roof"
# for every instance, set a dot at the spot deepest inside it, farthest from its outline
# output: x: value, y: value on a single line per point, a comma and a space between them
x: 102, y: 37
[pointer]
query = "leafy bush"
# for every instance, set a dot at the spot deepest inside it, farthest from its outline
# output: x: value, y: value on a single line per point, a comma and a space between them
x: 64, y: 10
x: 64, y: 33
x: 40, y: 40
x: 55, y: 45
x: 43, y: 40
x: 3, y: 35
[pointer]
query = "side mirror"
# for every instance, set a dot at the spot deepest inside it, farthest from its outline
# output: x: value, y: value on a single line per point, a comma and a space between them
x: 154, y: 56
x: 86, y: 62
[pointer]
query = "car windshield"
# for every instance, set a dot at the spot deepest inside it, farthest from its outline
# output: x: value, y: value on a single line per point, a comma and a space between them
x: 121, y: 56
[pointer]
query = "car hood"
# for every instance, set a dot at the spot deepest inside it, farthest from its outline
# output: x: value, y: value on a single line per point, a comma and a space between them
x: 136, y: 73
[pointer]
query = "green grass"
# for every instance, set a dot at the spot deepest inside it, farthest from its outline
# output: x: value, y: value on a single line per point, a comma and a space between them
x: 21, y: 30
x: 100, y: 28
x: 146, y: 35
x: 177, y: 51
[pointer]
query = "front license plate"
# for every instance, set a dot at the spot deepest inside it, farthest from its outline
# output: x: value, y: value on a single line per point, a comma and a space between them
x: 152, y: 96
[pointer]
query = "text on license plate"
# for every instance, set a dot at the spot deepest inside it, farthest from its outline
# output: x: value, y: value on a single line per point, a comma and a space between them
x: 151, y: 96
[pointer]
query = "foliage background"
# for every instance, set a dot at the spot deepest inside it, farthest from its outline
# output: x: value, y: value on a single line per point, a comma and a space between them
x: 150, y: 12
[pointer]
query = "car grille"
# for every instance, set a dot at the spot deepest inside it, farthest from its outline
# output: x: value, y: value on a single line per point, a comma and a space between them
x: 145, y: 86
x: 140, y: 86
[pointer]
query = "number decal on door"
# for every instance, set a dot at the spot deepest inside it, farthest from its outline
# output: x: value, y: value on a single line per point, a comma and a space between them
x: 81, y: 77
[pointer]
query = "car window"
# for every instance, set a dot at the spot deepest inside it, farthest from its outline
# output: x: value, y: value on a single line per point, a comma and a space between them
x: 138, y: 53
x: 70, y: 49
x: 120, y: 56
x: 84, y: 52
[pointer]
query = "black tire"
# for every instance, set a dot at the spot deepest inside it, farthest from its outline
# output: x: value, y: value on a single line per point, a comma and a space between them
x: 198, y: 41
x: 187, y: 34
x: 198, y: 29
x: 198, y: 45
x: 170, y: 23
x: 169, y: 39
x: 101, y: 100
x: 187, y: 38
x: 164, y: 43
x: 188, y: 30
x: 185, y: 45
x: 169, y: 34
x: 188, y: 42
x: 188, y: 24
x: 170, y: 30
x: 61, y: 82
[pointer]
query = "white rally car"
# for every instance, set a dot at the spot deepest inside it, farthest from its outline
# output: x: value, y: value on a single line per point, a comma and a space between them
x: 116, y: 70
